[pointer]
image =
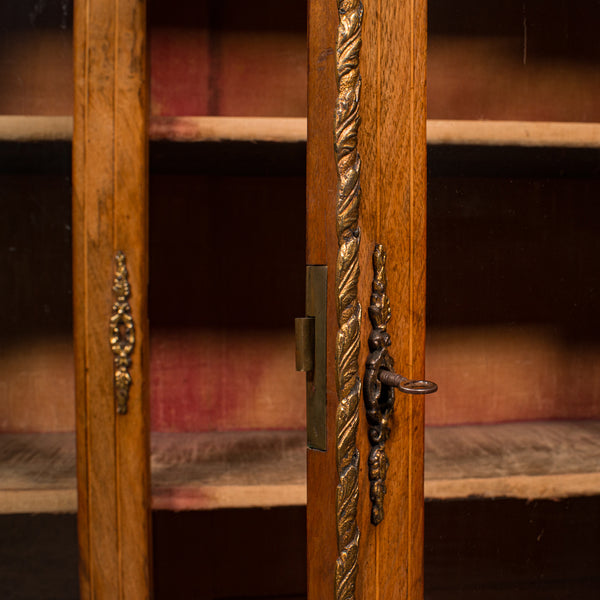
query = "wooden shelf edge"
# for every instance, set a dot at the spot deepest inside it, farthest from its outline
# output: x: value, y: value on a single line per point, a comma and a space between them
x: 177, y: 499
x: 34, y: 501
x: 542, y: 134
x: 293, y: 130
x: 543, y: 487
x: 17, y: 128
x: 220, y: 497
x: 228, y: 129
x: 228, y: 496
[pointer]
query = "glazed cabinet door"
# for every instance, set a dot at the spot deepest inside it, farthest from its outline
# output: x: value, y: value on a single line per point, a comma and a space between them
x: 366, y: 184
x: 365, y: 244
x: 110, y: 287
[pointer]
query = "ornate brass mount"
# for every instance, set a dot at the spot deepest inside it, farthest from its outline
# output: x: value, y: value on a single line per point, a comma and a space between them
x: 122, y: 334
x: 380, y: 381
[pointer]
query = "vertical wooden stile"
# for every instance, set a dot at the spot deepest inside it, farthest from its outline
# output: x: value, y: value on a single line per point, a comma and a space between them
x: 321, y: 249
x: 110, y: 215
x: 392, y: 146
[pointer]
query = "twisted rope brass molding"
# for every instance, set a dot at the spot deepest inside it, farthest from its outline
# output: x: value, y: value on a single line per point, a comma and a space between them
x: 347, y: 345
x: 122, y: 334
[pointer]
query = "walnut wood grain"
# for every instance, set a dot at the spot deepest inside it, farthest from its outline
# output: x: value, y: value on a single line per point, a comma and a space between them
x: 393, y: 214
x: 321, y: 248
x: 392, y: 144
x: 110, y: 215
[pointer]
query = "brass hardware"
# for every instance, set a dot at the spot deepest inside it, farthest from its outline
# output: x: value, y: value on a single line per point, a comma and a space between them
x: 311, y: 355
x: 379, y: 400
x: 407, y: 386
x: 348, y: 310
x: 305, y: 344
x: 122, y: 334
x: 380, y: 381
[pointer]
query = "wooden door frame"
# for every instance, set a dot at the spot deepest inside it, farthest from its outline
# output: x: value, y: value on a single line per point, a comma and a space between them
x: 386, y: 561
x: 110, y: 217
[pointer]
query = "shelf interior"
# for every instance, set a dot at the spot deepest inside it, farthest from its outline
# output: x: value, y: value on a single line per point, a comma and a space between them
x: 227, y: 270
x: 201, y: 471
x: 512, y: 296
x: 222, y: 57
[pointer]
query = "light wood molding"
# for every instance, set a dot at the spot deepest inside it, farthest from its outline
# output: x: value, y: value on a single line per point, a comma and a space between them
x: 440, y: 132
x: 513, y: 133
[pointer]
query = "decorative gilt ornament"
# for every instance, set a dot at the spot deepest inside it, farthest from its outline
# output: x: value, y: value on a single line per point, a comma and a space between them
x: 379, y: 399
x: 347, y: 345
x: 122, y: 334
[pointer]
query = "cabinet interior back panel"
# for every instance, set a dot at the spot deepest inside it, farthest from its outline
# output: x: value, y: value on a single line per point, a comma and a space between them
x: 494, y: 60
x: 513, y: 295
x: 227, y: 280
x: 36, y: 349
x: 224, y: 57
x: 36, y: 58
x: 514, y: 60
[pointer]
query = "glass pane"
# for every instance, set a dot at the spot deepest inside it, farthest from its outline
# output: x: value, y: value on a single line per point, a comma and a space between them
x: 37, y: 412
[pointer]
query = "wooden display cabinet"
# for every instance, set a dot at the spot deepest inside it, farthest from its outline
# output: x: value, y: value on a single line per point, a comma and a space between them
x: 197, y: 167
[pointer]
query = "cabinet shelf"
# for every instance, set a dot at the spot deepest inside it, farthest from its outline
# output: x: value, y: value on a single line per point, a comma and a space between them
x: 33, y: 128
x: 37, y: 473
x: 192, y: 471
x: 30, y: 128
x: 554, y: 459
x: 228, y: 129
x: 528, y: 134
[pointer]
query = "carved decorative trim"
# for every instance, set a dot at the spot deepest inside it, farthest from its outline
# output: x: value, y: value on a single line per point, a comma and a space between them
x: 379, y: 399
x: 122, y: 334
x: 347, y: 345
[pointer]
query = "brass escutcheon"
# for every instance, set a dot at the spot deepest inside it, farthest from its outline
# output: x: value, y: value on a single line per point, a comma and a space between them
x: 380, y: 385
